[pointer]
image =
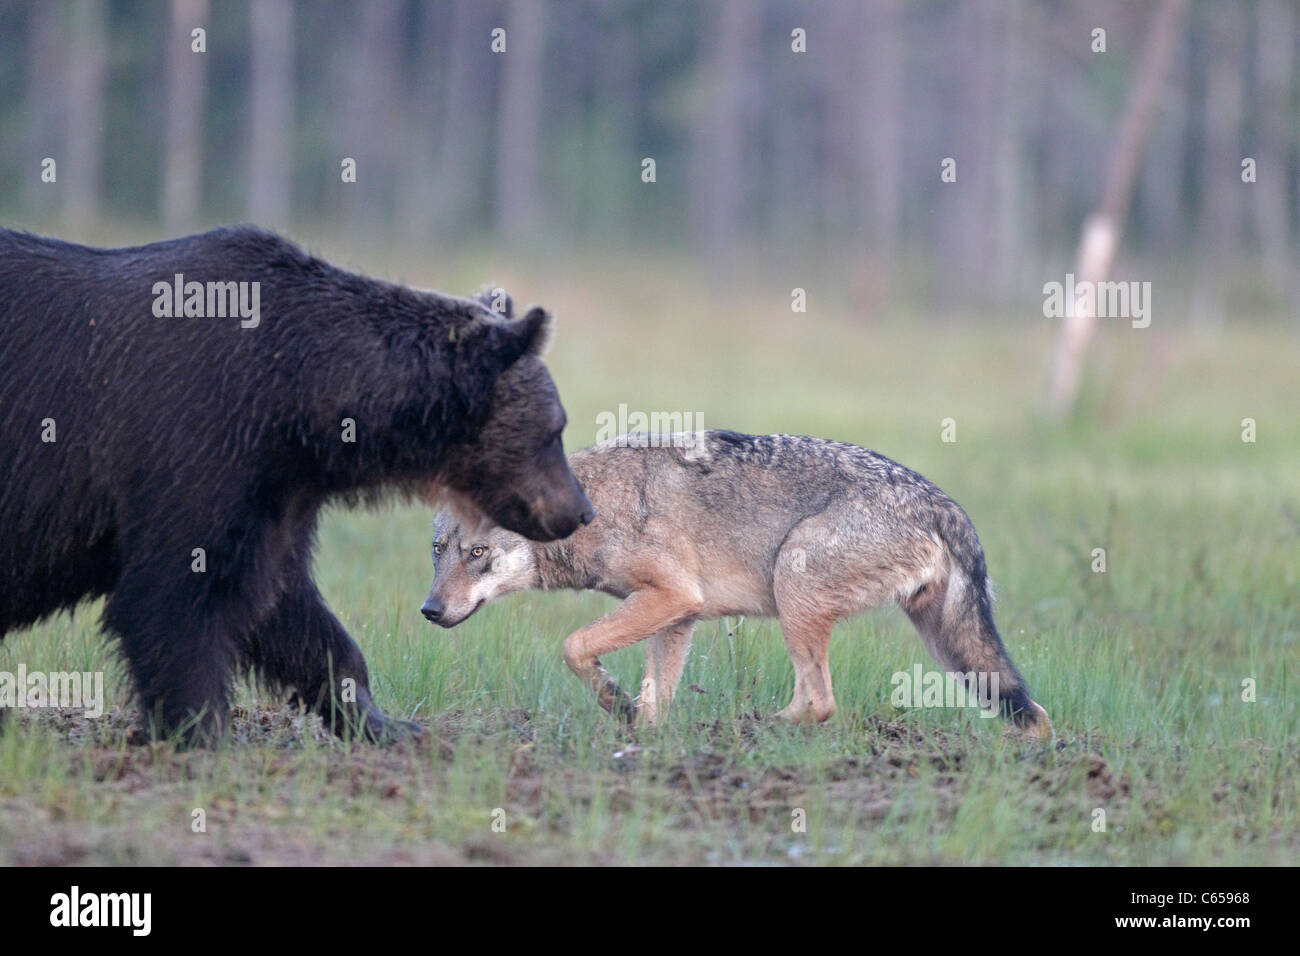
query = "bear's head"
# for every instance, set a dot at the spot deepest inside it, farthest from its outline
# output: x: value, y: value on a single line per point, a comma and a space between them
x: 512, y: 470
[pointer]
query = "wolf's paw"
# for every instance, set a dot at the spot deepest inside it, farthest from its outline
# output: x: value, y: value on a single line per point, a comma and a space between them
x: 807, y: 714
x: 617, y: 702
x: 1031, y: 724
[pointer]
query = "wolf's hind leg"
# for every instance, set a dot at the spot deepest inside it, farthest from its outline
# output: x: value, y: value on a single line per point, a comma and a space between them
x: 811, y: 593
x: 807, y: 639
x: 644, y: 613
x: 665, y: 659
x: 956, y: 625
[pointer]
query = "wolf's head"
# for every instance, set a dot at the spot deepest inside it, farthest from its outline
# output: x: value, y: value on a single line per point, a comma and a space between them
x: 472, y: 567
x: 513, y: 471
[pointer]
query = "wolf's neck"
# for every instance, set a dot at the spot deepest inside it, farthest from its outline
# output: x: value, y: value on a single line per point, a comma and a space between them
x: 554, y: 563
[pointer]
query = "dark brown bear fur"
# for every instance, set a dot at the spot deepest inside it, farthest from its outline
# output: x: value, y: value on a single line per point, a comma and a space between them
x: 178, y: 433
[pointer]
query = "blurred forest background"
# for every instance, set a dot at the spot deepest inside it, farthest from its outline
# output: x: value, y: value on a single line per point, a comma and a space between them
x: 829, y: 157
x: 1144, y: 536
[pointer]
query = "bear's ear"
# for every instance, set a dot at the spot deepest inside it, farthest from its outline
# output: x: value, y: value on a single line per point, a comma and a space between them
x: 539, y: 328
x: 496, y: 299
x: 530, y: 335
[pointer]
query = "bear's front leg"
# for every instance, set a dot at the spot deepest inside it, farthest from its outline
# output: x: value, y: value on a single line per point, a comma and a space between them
x: 178, y: 646
x: 302, y: 645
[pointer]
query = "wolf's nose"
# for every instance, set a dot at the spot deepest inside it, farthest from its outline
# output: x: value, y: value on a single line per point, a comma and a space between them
x: 432, y: 610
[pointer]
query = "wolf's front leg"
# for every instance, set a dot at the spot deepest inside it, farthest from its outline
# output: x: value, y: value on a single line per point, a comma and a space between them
x: 665, y: 659
x: 644, y: 613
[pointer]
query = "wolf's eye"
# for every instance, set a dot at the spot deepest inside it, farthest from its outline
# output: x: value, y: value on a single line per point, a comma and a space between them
x: 477, y: 552
x: 437, y: 549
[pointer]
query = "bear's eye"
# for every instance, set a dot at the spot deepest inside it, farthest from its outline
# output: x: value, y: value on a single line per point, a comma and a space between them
x: 477, y: 552
x: 437, y: 549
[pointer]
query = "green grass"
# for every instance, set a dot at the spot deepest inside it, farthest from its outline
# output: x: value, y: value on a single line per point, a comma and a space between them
x: 1140, y: 667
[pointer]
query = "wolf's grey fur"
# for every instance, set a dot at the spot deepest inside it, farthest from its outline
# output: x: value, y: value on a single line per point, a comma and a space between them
x: 700, y: 525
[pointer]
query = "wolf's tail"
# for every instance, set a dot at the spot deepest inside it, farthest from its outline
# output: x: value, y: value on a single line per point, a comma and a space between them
x: 956, y: 624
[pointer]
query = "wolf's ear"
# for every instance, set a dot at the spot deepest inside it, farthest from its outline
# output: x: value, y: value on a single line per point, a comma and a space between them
x: 497, y: 300
x: 530, y: 335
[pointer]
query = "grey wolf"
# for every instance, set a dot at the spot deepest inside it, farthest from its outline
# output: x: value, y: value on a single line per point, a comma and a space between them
x: 177, y: 464
x: 716, y: 523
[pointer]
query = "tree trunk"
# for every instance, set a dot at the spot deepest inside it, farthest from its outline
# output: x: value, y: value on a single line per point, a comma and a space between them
x: 183, y: 145
x: 965, y: 207
x: 1101, y: 232
x: 459, y: 145
x: 1164, y: 185
x: 370, y: 123
x: 519, y: 124
x: 1005, y: 210
x: 718, y: 142
x: 45, y: 75
x: 270, y: 179
x: 424, y: 97
x: 87, y: 75
x: 881, y: 125
x: 1276, y: 31
x: 1223, y: 197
